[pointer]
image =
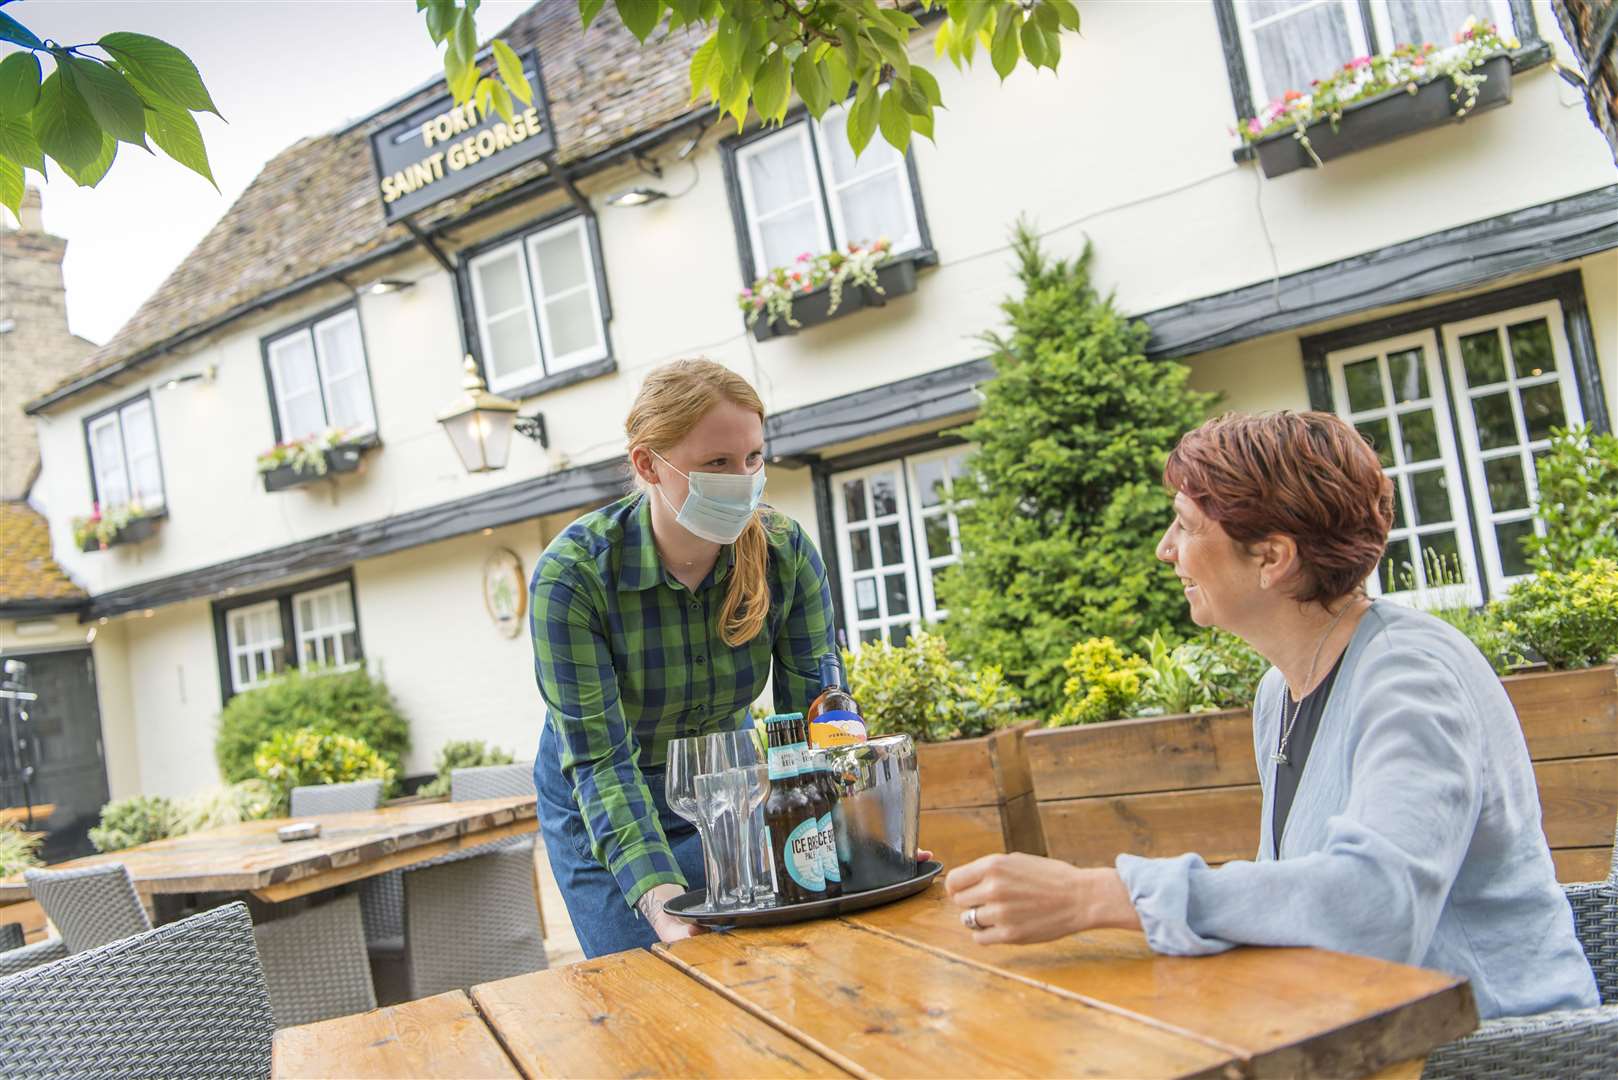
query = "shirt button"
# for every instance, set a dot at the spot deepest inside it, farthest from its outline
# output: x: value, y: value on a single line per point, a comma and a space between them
x: 695, y: 605
x: 702, y: 659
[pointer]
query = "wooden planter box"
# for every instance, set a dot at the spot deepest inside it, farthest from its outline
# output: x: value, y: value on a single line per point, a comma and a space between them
x: 897, y: 278
x: 977, y: 799
x: 1383, y: 118
x: 1163, y: 786
x: 142, y: 528
x: 341, y: 459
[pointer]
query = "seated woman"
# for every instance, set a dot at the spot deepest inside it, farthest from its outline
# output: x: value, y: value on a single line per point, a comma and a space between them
x: 1401, y: 818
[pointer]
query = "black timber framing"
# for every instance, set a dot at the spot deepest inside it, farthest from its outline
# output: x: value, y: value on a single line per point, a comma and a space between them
x: 283, y: 596
x: 950, y: 391
x: 1460, y: 258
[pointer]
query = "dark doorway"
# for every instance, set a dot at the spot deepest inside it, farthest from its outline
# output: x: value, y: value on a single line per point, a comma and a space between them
x: 50, y: 747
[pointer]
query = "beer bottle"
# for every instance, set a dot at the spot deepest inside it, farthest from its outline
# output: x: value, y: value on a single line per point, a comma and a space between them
x: 817, y: 780
x: 791, y: 827
x: 834, y: 717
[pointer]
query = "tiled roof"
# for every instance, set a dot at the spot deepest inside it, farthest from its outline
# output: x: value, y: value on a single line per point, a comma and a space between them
x: 27, y: 571
x: 314, y: 206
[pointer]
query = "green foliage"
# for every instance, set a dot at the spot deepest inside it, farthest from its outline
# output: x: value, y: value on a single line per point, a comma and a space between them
x: 18, y: 850
x: 78, y: 113
x: 1578, y: 500
x: 451, y: 23
x: 1569, y: 618
x: 1066, y: 495
x: 138, y: 820
x: 1103, y: 683
x: 1212, y: 671
x: 1482, y: 626
x: 289, y: 759
x: 348, y: 702
x: 916, y: 689
x: 462, y: 754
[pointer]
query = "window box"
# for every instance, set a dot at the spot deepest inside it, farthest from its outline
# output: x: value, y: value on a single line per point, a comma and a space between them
x: 339, y: 459
x: 137, y: 530
x: 1382, y: 119
x: 897, y: 277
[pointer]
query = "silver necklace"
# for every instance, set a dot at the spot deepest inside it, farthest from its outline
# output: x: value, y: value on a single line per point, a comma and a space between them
x: 1280, y: 755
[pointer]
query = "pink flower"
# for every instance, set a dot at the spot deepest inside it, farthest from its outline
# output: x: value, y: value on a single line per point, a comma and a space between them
x: 1358, y: 62
x: 747, y: 292
x: 805, y: 257
x: 1253, y: 126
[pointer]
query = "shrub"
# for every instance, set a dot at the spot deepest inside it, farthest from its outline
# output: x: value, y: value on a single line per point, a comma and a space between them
x: 18, y: 850
x: 915, y: 689
x: 289, y: 759
x: 1211, y: 671
x: 1102, y: 684
x: 137, y: 820
x: 1065, y: 503
x: 339, y: 702
x: 462, y: 754
x: 247, y: 800
x: 1482, y: 626
x: 1568, y: 618
x: 1578, y: 501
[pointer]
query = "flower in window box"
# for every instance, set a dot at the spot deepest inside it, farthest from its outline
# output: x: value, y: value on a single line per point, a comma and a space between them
x: 773, y: 293
x: 306, y: 455
x: 102, y: 528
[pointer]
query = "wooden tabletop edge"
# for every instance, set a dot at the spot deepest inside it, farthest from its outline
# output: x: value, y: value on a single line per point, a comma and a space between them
x: 494, y: 1029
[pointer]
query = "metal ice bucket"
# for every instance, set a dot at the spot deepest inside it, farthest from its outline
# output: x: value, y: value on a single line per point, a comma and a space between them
x: 878, y: 812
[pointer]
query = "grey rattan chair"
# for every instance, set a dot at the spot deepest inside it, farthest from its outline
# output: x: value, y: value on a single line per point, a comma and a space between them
x: 186, y: 999
x: 471, y: 921
x: 315, y: 963
x: 336, y: 798
x: 1573, y: 1043
x: 27, y: 956
x: 11, y: 936
x: 91, y: 906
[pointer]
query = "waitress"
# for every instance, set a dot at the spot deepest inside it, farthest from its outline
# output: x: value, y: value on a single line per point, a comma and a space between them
x: 655, y: 618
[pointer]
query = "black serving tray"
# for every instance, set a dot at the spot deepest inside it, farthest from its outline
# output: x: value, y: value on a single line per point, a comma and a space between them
x: 693, y: 906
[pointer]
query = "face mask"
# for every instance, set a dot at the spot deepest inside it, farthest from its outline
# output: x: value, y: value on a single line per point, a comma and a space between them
x: 717, y: 506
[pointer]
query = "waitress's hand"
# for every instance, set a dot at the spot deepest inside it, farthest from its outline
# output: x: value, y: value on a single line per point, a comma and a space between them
x: 1019, y: 898
x: 666, y: 927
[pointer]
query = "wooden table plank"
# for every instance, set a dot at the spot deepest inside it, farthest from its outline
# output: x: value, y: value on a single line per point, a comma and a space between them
x: 1293, y: 1012
x: 880, y: 1007
x: 630, y: 1014
x: 439, y: 1036
x: 249, y: 857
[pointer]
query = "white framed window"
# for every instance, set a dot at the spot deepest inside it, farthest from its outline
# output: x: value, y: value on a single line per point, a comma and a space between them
x: 1512, y: 374
x: 896, y: 527
x: 1392, y: 391
x: 538, y: 305
x: 323, y: 622
x: 256, y: 645
x: 1289, y: 43
x: 124, y: 460
x: 319, y: 378
x: 802, y: 190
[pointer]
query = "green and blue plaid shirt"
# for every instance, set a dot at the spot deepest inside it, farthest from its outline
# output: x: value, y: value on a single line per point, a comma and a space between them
x: 628, y: 658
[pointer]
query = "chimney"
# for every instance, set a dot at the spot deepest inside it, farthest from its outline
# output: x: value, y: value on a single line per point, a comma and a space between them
x: 31, y: 215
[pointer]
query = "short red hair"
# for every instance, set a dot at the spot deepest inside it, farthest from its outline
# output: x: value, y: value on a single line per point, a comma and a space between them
x: 1307, y: 475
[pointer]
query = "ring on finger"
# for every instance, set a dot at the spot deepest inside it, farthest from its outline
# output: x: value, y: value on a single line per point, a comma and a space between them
x: 970, y: 918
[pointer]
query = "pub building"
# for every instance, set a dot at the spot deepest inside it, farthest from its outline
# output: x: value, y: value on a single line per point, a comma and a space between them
x: 610, y: 229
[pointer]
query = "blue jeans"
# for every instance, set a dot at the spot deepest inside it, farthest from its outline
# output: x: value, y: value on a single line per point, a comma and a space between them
x: 602, y: 920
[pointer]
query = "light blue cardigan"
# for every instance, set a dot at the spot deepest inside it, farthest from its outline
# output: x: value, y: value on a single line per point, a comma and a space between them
x: 1415, y: 835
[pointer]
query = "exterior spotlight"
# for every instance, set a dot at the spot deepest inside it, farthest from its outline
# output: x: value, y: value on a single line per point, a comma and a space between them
x: 636, y: 197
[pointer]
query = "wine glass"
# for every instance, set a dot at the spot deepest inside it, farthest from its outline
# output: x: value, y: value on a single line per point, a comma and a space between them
x: 688, y: 759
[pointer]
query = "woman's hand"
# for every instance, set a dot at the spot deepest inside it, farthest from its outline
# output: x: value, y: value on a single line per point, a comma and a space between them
x: 1018, y: 899
x: 666, y: 927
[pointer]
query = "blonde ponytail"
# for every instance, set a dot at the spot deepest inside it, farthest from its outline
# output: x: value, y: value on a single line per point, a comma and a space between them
x: 672, y: 400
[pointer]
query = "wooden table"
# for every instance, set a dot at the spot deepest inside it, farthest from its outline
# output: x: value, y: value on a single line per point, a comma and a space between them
x: 902, y: 991
x: 249, y: 857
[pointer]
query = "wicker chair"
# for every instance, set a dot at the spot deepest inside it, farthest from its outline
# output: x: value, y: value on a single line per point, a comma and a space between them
x: 27, y: 956
x: 336, y: 798
x: 315, y: 963
x: 92, y: 906
x: 11, y: 936
x: 186, y: 999
x: 1569, y: 1045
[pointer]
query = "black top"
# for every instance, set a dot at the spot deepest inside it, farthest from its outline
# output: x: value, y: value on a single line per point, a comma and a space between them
x: 1303, y: 737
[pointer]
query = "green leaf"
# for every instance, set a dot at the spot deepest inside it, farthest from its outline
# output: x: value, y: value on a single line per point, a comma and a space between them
x: 510, y: 65
x: 922, y: 125
x: 1047, y: 18
x: 706, y: 71
x: 640, y: 16
x: 19, y: 84
x: 440, y: 18
x: 502, y: 102
x: 91, y: 174
x: 1033, y: 43
x: 729, y: 37
x: 894, y: 120
x: 588, y: 10
x: 11, y: 185
x: 113, y: 102
x: 465, y: 36
x: 1053, y: 50
x: 175, y: 132
x: 1004, y: 51
x: 924, y: 81
x: 838, y: 78
x: 463, y: 82
x: 770, y: 88
x: 1067, y: 12
x: 811, y: 86
x: 862, y: 120
x: 484, y: 96
x: 162, y: 68
x: 63, y: 124
x: 15, y: 32
x: 914, y: 101
x: 17, y: 142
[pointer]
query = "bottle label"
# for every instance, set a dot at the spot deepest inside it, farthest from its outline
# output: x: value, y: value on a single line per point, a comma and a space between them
x: 837, y: 727
x: 785, y: 761
x: 828, y: 851
x: 802, y: 856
